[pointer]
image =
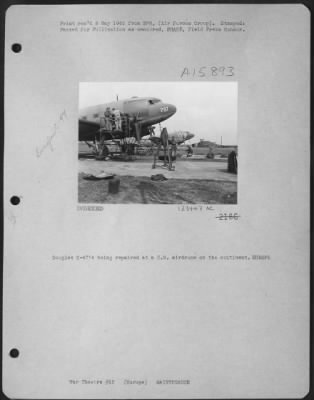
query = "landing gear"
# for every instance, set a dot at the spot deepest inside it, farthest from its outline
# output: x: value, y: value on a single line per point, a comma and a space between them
x: 118, y: 144
x: 103, y: 152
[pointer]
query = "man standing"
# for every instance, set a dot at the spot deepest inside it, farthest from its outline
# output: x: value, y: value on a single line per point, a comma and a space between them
x: 117, y: 117
x: 108, y: 123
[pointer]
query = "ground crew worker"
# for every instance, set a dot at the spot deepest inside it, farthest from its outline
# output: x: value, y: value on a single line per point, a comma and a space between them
x: 113, y: 119
x: 128, y: 123
x: 108, y: 122
x: 117, y: 117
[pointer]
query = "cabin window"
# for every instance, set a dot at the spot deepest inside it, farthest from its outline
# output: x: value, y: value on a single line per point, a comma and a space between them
x: 95, y: 115
x: 153, y: 101
x: 85, y: 118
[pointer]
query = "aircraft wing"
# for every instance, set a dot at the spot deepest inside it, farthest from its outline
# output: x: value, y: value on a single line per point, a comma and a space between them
x: 87, y: 130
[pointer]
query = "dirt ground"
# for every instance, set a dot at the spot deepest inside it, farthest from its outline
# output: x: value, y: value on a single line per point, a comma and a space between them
x: 142, y: 190
x: 187, y: 169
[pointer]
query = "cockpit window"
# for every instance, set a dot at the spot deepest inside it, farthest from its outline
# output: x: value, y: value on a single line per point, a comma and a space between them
x: 153, y: 101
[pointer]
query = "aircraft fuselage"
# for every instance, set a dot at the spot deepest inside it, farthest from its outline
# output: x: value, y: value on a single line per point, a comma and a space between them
x: 147, y: 111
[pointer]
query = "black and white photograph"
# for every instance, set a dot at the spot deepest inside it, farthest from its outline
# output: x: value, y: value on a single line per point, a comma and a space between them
x: 156, y: 196
x: 158, y: 142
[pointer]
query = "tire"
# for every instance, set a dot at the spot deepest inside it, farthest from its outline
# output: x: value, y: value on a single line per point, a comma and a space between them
x: 104, y: 151
x: 161, y: 158
x: 102, y: 154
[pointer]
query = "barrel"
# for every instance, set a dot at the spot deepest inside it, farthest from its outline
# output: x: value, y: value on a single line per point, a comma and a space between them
x: 114, y: 186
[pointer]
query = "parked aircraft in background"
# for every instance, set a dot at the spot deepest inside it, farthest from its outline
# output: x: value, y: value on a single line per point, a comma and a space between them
x: 178, y: 137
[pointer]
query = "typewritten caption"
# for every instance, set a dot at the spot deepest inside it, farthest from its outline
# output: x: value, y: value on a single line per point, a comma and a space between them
x: 135, y: 382
x: 108, y: 258
x: 158, y: 26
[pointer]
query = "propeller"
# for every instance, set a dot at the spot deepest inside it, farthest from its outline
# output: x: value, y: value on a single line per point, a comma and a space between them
x: 138, y: 129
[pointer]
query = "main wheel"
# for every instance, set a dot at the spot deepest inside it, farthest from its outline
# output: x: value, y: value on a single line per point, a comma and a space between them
x: 103, y: 153
x: 161, y: 158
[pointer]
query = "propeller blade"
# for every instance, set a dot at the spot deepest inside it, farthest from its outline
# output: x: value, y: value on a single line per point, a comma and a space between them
x: 138, y: 131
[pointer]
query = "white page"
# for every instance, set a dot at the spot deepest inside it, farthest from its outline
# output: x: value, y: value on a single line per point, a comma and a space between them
x: 129, y: 316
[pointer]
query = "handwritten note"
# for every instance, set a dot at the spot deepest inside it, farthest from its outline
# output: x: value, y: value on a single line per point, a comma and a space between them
x: 50, y: 138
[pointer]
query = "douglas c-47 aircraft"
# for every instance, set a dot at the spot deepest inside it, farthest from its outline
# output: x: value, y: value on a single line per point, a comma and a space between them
x: 138, y: 115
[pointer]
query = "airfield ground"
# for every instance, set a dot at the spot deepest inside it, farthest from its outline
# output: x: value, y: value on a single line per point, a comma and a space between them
x: 194, y: 181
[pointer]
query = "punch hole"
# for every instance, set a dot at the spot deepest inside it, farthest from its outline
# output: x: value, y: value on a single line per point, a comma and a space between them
x: 15, y: 200
x: 16, y: 47
x: 14, y: 353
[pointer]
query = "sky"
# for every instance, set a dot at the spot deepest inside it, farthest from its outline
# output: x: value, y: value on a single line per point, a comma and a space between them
x: 207, y: 109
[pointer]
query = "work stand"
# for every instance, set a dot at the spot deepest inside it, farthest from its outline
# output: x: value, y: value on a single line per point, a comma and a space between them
x: 169, y: 150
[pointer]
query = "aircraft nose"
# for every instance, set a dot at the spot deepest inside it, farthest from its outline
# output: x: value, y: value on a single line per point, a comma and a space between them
x: 172, y: 109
